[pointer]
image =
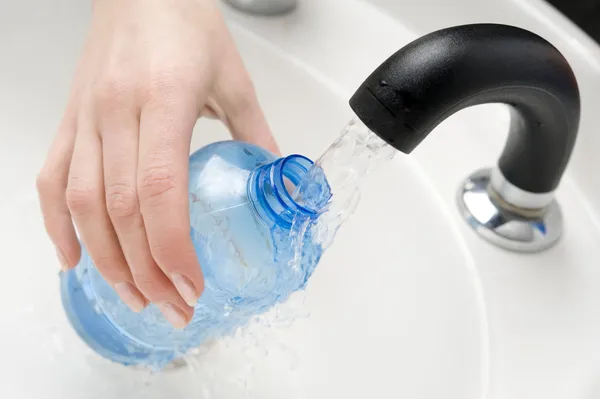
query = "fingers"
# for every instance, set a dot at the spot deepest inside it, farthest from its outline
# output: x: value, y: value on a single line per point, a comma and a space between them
x: 85, y: 200
x: 244, y: 117
x: 162, y: 181
x: 119, y: 131
x: 51, y: 186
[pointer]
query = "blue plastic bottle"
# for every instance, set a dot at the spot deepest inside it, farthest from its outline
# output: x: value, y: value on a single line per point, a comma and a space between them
x: 245, y: 228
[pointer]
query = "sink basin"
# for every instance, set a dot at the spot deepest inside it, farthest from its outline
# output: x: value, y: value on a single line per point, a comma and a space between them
x: 408, y: 302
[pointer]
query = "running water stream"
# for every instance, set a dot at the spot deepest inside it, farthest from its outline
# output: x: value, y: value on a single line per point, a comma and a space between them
x: 353, y: 156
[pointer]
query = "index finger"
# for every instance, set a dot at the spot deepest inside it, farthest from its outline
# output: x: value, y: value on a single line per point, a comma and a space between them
x: 165, y: 134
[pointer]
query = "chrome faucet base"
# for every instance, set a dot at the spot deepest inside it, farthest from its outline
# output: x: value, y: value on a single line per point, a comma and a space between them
x: 264, y: 7
x: 504, y: 225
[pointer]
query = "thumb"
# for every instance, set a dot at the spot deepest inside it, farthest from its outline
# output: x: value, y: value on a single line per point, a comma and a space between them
x: 241, y: 111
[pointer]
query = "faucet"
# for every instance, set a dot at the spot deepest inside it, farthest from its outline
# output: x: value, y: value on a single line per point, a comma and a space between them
x: 264, y: 7
x: 512, y: 204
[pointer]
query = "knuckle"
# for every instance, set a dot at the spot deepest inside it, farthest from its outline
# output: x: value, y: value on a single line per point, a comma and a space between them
x: 151, y: 284
x: 167, y: 248
x: 81, y: 199
x: 163, y: 84
x: 111, y: 92
x: 45, y: 184
x: 108, y: 266
x: 103, y: 262
x: 243, y: 96
x: 121, y: 200
x: 246, y: 87
x: 155, y: 182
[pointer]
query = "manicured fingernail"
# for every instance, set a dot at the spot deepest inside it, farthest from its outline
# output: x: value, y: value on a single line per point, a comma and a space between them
x: 131, y: 296
x: 173, y: 315
x: 63, y: 261
x: 185, y: 288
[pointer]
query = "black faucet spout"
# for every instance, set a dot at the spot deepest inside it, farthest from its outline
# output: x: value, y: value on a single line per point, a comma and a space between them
x: 430, y: 79
x: 418, y: 87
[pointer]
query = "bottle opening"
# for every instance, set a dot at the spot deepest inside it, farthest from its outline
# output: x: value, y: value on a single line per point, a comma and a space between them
x: 284, y: 189
x: 289, y: 186
x: 295, y: 169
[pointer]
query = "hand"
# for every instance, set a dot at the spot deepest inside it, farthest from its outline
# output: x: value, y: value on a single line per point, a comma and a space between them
x: 118, y: 167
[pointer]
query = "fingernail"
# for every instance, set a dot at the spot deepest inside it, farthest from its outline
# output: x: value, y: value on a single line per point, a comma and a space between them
x: 173, y: 315
x: 63, y: 261
x: 131, y: 296
x: 185, y: 288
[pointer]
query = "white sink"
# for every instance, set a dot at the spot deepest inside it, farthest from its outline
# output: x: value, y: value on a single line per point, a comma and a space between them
x: 408, y: 302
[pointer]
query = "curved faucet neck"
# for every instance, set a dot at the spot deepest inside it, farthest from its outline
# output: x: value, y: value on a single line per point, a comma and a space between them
x: 439, y: 74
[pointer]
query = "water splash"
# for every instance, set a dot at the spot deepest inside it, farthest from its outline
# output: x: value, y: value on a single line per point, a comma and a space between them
x: 344, y: 165
x: 230, y: 364
x: 352, y: 157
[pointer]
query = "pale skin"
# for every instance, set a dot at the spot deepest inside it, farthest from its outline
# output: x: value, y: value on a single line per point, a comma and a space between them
x: 118, y: 167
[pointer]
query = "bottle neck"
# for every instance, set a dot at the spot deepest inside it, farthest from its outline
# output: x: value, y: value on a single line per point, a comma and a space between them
x: 272, y: 186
